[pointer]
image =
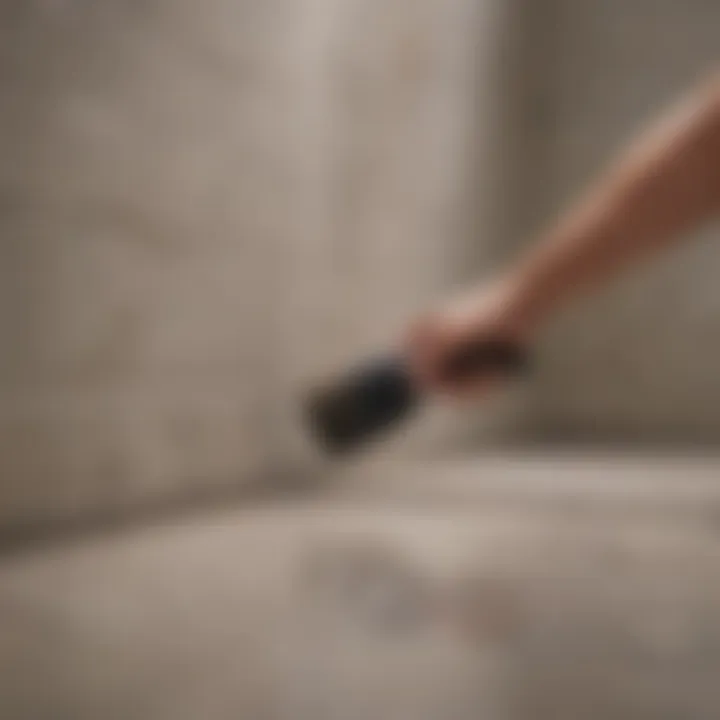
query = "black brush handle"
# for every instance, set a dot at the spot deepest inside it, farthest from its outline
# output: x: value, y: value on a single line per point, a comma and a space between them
x: 485, y: 357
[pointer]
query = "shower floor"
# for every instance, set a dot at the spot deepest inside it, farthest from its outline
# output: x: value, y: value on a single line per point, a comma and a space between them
x: 495, y: 588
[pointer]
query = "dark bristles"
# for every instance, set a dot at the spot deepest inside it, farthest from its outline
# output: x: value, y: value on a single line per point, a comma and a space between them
x: 354, y: 409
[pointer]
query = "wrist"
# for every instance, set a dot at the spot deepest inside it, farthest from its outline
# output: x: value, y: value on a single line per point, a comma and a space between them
x: 523, y: 304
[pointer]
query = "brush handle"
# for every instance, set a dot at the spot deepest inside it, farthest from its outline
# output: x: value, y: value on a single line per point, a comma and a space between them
x: 485, y: 357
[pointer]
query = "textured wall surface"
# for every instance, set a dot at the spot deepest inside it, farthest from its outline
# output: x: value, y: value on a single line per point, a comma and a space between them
x: 531, y: 590
x: 152, y: 174
x: 200, y: 207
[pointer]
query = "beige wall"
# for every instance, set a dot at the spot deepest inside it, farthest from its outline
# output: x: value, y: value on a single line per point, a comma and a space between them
x: 201, y: 208
x: 157, y: 165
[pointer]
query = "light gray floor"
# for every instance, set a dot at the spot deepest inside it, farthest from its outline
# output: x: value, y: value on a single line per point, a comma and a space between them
x: 522, y: 590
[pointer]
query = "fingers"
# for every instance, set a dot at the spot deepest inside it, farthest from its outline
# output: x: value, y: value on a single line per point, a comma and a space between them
x: 423, y: 346
x: 429, y: 344
x: 435, y: 338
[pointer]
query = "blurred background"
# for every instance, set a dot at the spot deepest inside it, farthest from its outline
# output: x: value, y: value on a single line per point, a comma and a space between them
x: 204, y: 205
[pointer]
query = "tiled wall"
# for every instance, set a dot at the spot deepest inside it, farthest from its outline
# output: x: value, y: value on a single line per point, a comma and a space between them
x: 158, y: 169
x: 200, y: 208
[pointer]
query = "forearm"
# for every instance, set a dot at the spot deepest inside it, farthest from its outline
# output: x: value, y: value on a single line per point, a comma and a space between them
x: 663, y: 187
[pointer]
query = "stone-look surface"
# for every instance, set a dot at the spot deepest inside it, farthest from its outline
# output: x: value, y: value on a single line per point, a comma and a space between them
x: 150, y: 179
x: 533, y: 605
x: 203, y: 204
x: 201, y: 208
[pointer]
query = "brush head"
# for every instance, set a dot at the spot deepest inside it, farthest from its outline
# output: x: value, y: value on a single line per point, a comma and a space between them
x: 352, y: 410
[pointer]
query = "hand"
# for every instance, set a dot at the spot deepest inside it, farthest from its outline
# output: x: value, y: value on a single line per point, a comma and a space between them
x: 493, y: 313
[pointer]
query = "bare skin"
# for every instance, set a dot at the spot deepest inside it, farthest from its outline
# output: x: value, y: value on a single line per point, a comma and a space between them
x: 664, y: 186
